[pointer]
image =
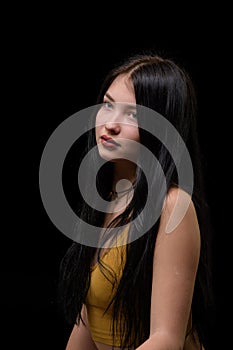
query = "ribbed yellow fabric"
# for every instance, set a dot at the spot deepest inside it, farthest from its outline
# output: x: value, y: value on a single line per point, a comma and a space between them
x: 102, y: 289
x: 100, y: 293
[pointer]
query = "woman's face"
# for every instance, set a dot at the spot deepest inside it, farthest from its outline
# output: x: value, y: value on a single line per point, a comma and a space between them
x: 116, y: 122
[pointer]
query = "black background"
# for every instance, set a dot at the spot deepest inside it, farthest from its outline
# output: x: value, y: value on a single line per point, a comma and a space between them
x: 55, y: 63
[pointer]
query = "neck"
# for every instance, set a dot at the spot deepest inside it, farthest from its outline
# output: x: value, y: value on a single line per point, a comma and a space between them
x: 124, y: 170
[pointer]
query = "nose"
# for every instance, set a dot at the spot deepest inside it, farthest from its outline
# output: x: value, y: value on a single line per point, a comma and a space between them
x: 113, y: 126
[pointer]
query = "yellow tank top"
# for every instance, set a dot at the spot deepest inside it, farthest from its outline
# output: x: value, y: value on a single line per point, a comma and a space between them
x: 101, y: 292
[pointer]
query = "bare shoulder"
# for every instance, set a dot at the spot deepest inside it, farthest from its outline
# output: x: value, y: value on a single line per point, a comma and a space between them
x: 179, y: 225
x: 178, y: 209
x: 176, y: 259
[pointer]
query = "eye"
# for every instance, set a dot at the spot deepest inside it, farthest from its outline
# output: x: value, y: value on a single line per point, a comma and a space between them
x: 132, y: 115
x: 107, y: 105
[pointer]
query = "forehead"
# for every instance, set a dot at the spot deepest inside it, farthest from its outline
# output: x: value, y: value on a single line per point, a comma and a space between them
x: 121, y: 90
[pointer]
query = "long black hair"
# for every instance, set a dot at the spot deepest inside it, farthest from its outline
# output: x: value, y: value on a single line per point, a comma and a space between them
x: 161, y: 85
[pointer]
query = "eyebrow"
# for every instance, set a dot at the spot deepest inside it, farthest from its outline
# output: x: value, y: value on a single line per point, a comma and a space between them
x: 110, y: 97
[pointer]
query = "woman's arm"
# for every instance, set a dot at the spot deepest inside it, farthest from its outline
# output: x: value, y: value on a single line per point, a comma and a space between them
x: 80, y: 337
x: 176, y: 258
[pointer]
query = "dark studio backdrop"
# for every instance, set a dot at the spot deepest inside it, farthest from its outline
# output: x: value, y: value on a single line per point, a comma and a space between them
x: 58, y: 72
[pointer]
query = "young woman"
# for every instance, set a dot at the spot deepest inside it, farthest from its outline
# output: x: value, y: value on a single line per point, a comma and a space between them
x: 146, y: 286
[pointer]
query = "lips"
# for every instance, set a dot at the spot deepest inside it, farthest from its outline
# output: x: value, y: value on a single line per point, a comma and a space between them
x: 108, y: 141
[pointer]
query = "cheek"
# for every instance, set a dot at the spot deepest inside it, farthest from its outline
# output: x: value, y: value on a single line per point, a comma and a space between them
x: 97, y: 132
x: 137, y: 136
x: 134, y: 134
